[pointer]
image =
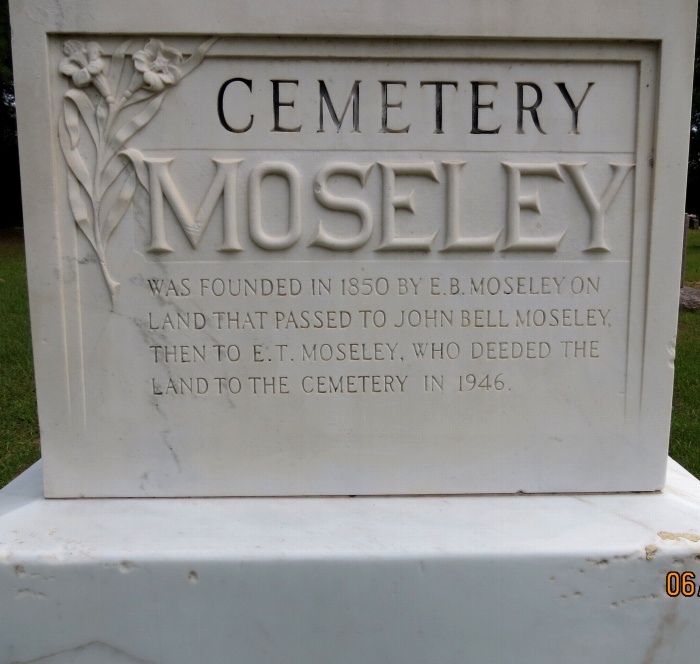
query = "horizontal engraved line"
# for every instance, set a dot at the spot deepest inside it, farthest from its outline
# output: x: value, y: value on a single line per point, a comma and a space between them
x: 384, y: 261
x: 340, y: 151
x: 564, y: 60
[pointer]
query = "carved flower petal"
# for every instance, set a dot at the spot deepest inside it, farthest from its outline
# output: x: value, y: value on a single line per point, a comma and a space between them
x: 141, y: 61
x: 95, y: 67
x: 153, y: 47
x: 158, y: 65
x: 167, y: 78
x: 72, y: 46
x: 93, y: 50
x: 152, y: 81
x: 171, y: 74
x: 80, y: 59
x: 82, y: 78
x: 171, y: 54
x: 68, y: 67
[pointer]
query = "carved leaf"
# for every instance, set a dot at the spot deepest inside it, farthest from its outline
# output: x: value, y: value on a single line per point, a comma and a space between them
x: 80, y: 102
x: 139, y: 166
x: 112, y: 171
x: 127, y: 130
x: 80, y: 212
x: 120, y: 205
x: 196, y: 58
x: 112, y: 284
x: 101, y: 114
x: 72, y: 118
x: 116, y: 68
x: 138, y: 96
x: 74, y: 160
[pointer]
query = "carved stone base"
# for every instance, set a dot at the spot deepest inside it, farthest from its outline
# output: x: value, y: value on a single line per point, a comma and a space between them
x: 492, y: 579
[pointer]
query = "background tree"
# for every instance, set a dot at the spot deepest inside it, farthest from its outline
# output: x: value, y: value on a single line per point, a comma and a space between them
x: 11, y: 204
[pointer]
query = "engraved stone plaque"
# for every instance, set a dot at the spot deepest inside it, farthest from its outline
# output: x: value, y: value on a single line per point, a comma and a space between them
x: 286, y: 266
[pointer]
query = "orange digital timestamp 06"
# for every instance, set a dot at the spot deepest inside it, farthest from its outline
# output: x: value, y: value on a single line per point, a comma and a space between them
x: 682, y: 583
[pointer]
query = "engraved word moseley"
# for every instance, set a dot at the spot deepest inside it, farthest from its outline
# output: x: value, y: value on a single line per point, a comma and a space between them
x: 350, y: 268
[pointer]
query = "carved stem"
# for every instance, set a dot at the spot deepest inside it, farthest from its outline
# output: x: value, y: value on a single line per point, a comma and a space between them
x: 112, y: 285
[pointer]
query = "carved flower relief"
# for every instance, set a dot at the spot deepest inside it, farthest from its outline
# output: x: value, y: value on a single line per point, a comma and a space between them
x: 84, y: 64
x: 93, y: 134
x: 158, y: 64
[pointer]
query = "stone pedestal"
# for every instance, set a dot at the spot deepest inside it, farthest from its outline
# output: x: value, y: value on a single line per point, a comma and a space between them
x: 409, y: 580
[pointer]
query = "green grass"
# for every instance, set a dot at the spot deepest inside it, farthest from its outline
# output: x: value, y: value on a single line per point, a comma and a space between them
x: 685, y: 424
x: 692, y: 259
x: 19, y: 430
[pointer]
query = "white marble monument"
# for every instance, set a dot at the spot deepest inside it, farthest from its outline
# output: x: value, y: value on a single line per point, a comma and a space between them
x: 262, y: 264
x: 328, y: 249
